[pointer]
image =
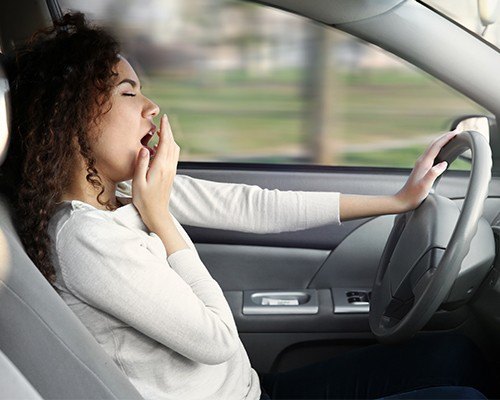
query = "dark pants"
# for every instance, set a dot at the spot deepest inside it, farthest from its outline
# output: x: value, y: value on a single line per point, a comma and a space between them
x: 379, y: 370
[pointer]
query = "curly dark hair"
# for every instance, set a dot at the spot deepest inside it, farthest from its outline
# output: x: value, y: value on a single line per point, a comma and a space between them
x: 61, y: 83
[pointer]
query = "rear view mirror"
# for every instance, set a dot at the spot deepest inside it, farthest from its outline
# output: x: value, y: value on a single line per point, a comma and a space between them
x: 478, y: 123
x: 487, y: 13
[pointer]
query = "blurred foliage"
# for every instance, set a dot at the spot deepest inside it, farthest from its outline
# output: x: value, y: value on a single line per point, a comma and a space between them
x: 260, y: 119
x: 245, y: 82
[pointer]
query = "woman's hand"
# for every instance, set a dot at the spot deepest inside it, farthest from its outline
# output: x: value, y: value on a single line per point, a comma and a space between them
x: 151, y: 187
x: 414, y: 191
x: 424, y: 174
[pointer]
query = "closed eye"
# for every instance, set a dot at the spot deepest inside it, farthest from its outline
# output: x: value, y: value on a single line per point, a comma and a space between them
x: 129, y: 94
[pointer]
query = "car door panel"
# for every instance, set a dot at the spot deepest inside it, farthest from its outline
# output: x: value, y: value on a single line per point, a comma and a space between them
x: 321, y: 258
x: 239, y: 267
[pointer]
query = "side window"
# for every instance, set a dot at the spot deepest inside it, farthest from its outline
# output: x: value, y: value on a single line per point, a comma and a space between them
x: 246, y: 83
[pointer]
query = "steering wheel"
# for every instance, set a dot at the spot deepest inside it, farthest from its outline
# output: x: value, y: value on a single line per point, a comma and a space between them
x: 423, y: 253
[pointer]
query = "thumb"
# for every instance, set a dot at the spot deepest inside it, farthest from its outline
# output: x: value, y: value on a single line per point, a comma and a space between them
x: 141, y: 166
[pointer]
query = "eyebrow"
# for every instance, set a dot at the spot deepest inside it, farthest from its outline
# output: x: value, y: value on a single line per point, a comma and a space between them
x: 131, y: 81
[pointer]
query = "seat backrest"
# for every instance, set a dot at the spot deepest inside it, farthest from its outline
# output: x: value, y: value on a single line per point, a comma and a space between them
x: 39, y: 333
x: 14, y: 385
x: 43, y: 337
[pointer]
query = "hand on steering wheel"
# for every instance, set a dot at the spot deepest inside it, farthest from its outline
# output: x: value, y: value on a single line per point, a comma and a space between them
x: 424, y: 173
x: 423, y: 253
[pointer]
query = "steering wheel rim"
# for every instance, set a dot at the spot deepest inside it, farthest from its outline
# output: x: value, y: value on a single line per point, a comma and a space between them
x: 430, y: 289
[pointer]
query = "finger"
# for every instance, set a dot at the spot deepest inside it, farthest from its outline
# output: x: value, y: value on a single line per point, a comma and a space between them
x: 165, y: 128
x: 168, y: 131
x: 173, y: 156
x: 441, y: 140
x: 160, y: 151
x: 435, y: 147
x: 165, y: 150
x: 141, y: 166
x: 164, y: 138
x: 434, y: 172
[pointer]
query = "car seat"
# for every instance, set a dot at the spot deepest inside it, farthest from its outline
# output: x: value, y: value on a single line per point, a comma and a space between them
x: 39, y: 333
x: 14, y: 385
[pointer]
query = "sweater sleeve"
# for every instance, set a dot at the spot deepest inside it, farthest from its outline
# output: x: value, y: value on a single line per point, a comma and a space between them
x: 247, y: 208
x: 174, y: 301
x: 250, y: 208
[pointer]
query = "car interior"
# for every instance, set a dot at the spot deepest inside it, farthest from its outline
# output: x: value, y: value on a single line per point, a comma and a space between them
x: 320, y: 281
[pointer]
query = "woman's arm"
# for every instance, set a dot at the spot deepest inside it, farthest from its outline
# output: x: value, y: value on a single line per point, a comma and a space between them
x: 361, y: 206
x: 246, y: 208
x: 253, y: 209
x: 171, y: 298
x: 250, y: 208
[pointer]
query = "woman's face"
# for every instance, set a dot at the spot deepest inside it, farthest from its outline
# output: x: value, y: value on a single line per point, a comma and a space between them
x: 123, y: 126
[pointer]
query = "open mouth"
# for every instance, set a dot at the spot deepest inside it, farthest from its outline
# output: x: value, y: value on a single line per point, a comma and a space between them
x: 145, y: 139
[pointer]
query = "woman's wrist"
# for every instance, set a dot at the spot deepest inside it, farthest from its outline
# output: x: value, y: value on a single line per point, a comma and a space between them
x: 404, y: 202
x: 164, y: 226
x: 362, y: 206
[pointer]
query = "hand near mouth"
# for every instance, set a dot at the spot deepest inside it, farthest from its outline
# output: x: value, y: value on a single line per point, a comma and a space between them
x: 153, y: 177
x: 147, y: 138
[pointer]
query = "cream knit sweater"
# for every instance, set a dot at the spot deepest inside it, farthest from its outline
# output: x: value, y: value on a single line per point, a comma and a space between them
x: 165, y: 321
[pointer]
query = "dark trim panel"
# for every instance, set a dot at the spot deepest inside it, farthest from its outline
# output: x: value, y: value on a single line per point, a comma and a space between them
x: 289, y: 167
x: 54, y: 9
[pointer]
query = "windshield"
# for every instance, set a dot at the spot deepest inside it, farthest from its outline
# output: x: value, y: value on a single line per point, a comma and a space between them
x: 479, y: 16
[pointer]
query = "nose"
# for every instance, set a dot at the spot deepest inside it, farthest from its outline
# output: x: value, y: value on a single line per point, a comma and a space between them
x: 151, y: 109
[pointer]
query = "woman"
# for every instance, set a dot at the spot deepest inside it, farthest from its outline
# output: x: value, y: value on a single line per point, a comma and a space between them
x: 124, y: 264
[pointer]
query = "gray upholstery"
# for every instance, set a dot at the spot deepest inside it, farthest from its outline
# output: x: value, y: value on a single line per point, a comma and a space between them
x: 41, y: 335
x: 13, y: 385
x: 38, y: 331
